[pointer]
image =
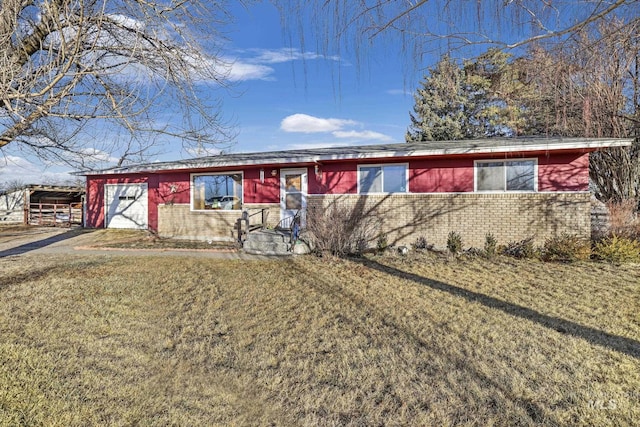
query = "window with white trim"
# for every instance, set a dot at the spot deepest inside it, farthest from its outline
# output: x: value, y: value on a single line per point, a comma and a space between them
x: 506, y: 175
x: 382, y: 178
x: 216, y: 191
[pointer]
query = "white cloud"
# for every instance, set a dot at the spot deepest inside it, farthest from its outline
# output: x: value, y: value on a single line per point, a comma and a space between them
x: 276, y: 56
x: 241, y: 71
x: 20, y: 169
x: 309, y: 124
x: 365, y: 134
x: 399, y: 92
x: 313, y: 145
x: 339, y: 128
x: 203, y: 151
x: 253, y: 64
x: 93, y: 155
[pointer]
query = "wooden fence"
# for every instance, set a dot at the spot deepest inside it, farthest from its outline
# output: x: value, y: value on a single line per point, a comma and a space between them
x: 64, y: 215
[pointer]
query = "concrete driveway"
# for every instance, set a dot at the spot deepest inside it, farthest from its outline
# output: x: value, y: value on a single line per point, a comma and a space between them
x: 52, y: 240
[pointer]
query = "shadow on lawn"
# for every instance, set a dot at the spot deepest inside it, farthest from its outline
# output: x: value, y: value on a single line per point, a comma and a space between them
x: 38, y: 244
x: 594, y: 336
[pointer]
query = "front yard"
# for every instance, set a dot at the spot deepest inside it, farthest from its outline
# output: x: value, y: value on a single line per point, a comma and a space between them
x: 422, y: 340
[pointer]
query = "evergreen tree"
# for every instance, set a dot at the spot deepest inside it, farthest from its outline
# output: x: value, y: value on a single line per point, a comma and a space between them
x: 464, y: 102
x: 438, y: 113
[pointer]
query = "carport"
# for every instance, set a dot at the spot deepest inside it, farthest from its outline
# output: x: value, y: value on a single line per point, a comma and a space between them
x: 42, y: 205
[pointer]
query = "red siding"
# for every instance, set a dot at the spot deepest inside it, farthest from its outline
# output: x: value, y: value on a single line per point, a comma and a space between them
x: 563, y: 172
x: 173, y: 188
x: 95, y: 202
x: 95, y: 198
x: 556, y: 172
x: 336, y: 178
x: 261, y: 192
x: 441, y: 176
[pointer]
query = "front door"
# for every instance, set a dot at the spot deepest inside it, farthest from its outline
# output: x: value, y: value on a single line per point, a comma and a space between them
x: 293, y: 195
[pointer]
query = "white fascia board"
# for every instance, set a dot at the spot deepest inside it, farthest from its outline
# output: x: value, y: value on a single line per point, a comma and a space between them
x: 572, y: 144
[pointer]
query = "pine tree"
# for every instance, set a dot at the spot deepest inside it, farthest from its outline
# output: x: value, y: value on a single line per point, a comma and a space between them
x: 464, y: 102
x: 438, y: 113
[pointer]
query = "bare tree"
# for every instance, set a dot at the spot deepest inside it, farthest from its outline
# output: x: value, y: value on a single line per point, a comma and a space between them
x: 424, y: 26
x: 588, y: 87
x: 135, y: 69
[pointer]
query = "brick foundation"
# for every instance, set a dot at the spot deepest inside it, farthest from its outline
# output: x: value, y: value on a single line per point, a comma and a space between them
x: 405, y: 217
x: 178, y: 221
x: 508, y: 216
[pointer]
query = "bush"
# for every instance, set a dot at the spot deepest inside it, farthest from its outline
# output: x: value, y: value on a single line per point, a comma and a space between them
x: 421, y: 243
x: 383, y: 242
x: 454, y: 243
x: 339, y: 230
x: 521, y: 249
x: 490, y: 245
x: 566, y: 248
x: 617, y: 249
x: 623, y: 218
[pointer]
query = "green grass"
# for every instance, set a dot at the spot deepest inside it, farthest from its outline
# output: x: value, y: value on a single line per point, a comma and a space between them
x: 420, y: 340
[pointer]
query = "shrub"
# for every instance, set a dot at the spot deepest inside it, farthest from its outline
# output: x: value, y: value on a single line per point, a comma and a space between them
x: 421, y: 243
x: 623, y: 218
x: 454, y: 242
x: 383, y: 242
x: 490, y: 245
x: 520, y: 249
x: 339, y: 230
x: 566, y: 248
x: 618, y: 249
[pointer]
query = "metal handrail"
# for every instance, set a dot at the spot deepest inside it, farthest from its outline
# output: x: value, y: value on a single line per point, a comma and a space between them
x: 287, y: 222
x: 246, y: 219
x: 292, y: 223
x: 262, y: 211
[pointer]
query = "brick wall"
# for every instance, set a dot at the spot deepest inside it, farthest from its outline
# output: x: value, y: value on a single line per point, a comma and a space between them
x: 177, y: 221
x: 272, y: 212
x: 508, y: 216
x: 406, y: 217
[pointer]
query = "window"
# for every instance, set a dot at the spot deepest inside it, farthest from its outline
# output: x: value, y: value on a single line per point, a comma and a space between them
x: 219, y: 191
x: 382, y: 179
x: 508, y: 175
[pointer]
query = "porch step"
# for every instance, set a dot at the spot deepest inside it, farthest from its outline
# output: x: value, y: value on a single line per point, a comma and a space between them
x: 267, y: 242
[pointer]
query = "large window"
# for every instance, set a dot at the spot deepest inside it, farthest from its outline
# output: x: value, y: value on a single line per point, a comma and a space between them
x: 382, y: 179
x: 507, y: 175
x: 219, y: 191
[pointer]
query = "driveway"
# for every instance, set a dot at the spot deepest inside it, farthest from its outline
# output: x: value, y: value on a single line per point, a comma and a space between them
x: 51, y: 240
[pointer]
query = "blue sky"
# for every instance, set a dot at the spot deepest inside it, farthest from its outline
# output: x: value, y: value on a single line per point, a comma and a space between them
x: 283, y: 98
x: 306, y: 99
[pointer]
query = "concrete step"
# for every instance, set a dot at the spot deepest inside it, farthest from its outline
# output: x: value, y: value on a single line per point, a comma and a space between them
x: 267, y: 242
x: 269, y: 236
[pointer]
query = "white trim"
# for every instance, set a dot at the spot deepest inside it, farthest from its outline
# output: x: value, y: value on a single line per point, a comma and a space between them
x: 304, y: 191
x: 191, y: 189
x: 382, y: 166
x: 504, y: 161
x: 449, y: 193
x: 398, y: 151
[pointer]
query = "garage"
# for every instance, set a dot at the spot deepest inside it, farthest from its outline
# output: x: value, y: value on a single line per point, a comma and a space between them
x: 126, y: 206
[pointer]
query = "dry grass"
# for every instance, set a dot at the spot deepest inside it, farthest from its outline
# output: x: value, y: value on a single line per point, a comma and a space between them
x: 142, y: 239
x: 306, y: 341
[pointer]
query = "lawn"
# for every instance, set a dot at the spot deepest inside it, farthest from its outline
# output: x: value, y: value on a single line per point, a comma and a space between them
x: 421, y: 340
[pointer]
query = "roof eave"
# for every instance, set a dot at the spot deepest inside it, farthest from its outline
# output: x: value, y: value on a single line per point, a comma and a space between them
x: 374, y: 154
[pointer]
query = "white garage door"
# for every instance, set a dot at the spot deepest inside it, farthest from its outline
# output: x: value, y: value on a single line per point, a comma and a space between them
x: 126, y: 206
